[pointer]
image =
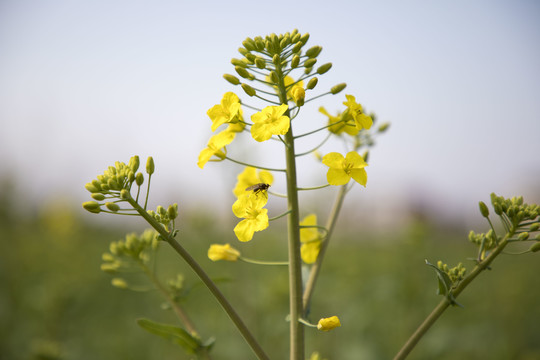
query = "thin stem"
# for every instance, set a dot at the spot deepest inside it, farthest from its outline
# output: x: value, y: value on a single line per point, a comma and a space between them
x: 314, y: 187
x: 316, y: 147
x: 316, y: 268
x: 280, y: 215
x: 233, y: 315
x: 443, y: 305
x: 255, y: 166
x: 261, y: 262
x: 147, y: 192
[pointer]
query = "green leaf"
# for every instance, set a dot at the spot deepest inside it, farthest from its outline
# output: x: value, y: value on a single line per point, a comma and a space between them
x: 177, y: 335
x: 445, y: 285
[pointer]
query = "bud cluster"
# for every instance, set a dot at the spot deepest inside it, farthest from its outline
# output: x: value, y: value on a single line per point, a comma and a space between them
x: 275, y: 57
x: 115, y: 183
x: 515, y: 209
x: 133, y: 248
x: 488, y: 240
x: 165, y: 216
x: 456, y: 274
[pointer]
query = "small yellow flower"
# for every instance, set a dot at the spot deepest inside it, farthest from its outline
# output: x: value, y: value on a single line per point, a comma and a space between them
x: 228, y: 111
x: 270, y: 121
x: 216, y: 147
x: 250, y: 208
x: 310, y: 238
x: 250, y: 177
x: 347, y: 126
x: 327, y: 324
x: 223, y: 252
x: 343, y: 168
x: 361, y: 120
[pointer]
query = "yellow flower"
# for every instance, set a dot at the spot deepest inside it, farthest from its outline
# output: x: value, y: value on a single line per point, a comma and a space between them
x: 361, y: 120
x: 327, y: 324
x: 216, y: 147
x: 249, y: 177
x: 347, y: 126
x: 223, y: 252
x: 310, y: 238
x: 250, y: 208
x: 270, y: 121
x: 228, y: 111
x: 343, y: 168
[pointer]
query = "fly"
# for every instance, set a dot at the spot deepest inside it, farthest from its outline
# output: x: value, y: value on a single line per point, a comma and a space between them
x: 257, y: 188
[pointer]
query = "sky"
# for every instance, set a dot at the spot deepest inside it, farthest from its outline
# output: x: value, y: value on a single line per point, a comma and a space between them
x: 87, y: 83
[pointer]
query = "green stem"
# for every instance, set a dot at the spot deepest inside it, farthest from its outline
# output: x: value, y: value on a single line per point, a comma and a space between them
x: 293, y: 227
x: 260, y: 262
x: 443, y: 305
x: 316, y: 268
x: 233, y: 315
x: 255, y: 166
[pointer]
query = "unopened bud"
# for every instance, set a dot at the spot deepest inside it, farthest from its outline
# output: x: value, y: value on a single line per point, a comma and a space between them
x: 98, y: 196
x: 242, y: 72
x: 238, y: 62
x: 124, y: 194
x: 534, y: 227
x: 134, y: 163
x: 260, y: 62
x: 161, y: 210
x: 150, y: 165
x: 483, y: 209
x: 314, y: 51
x: 295, y: 61
x: 139, y: 179
x: 119, y: 283
x: 304, y: 39
x: 232, y: 79
x: 523, y: 236
x: 249, y: 44
x: 535, y: 247
x: 276, y: 59
x: 312, y: 83
x: 383, y: 127
x: 298, y: 94
x: 259, y: 43
x: 92, y: 206
x: 324, y: 68
x: 112, y: 206
x: 338, y: 88
x: 90, y: 187
x: 297, y: 47
x: 172, y: 211
x: 309, y: 63
x: 248, y: 89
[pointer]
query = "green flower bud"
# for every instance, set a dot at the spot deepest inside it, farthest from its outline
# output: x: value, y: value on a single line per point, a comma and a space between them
x: 309, y: 63
x: 338, y: 88
x: 297, y: 47
x: 150, y: 165
x: 119, y: 283
x: 276, y: 59
x: 383, y: 127
x: 110, y: 268
x: 90, y: 187
x: 534, y: 227
x: 134, y: 163
x: 497, y: 208
x: 308, y: 70
x: 92, y: 206
x: 483, y: 209
x: 314, y: 51
x: 535, y: 247
x: 324, y: 68
x: 242, y: 51
x: 98, y: 196
x: 295, y: 36
x: 273, y: 77
x: 295, y: 61
x: 259, y: 43
x: 242, y: 72
x: 523, y: 236
x: 269, y: 46
x: 304, y: 39
x: 161, y: 210
x: 260, y: 62
x: 112, y: 206
x: 249, y: 44
x: 248, y: 89
x: 232, y: 79
x: 312, y: 83
x: 172, y: 211
x: 139, y: 179
x: 250, y: 58
x: 238, y: 62
x: 124, y: 194
x: 472, y: 236
x: 285, y: 41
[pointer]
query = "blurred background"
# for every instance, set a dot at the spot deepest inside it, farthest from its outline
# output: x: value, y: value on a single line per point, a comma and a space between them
x: 87, y: 83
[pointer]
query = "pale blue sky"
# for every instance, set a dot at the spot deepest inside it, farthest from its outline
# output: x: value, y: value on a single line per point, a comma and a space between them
x: 86, y: 83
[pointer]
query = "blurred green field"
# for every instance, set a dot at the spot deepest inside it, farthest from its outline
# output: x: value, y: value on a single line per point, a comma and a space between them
x: 55, y: 303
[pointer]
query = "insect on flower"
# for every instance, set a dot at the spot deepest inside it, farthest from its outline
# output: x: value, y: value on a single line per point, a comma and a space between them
x: 257, y: 188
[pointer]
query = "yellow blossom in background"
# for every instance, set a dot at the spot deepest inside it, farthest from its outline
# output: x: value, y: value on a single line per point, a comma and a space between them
x: 342, y: 169
x: 250, y: 176
x: 327, y: 324
x: 250, y: 208
x: 361, y: 120
x: 223, y: 252
x: 347, y: 126
x: 270, y: 121
x: 228, y: 111
x: 310, y: 239
x: 216, y: 147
